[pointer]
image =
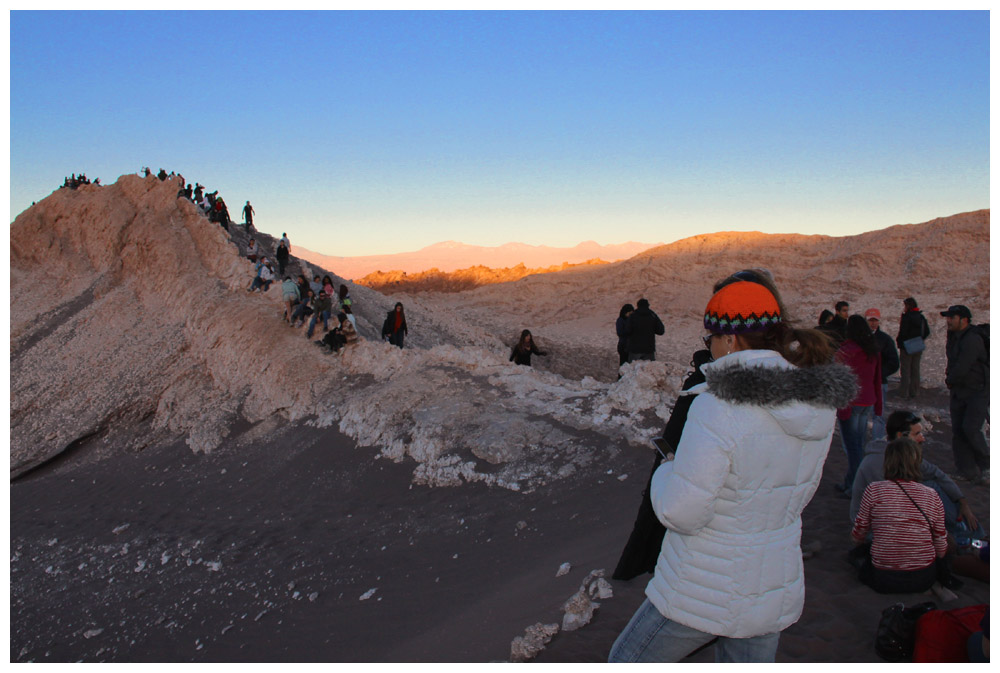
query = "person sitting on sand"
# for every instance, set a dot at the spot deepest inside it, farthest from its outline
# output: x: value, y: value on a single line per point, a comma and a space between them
x: 906, y: 520
x: 347, y: 329
x: 265, y: 278
x: 341, y: 336
x: 343, y: 297
x: 321, y: 311
x: 904, y: 423
x: 303, y: 285
x: 256, y: 274
x: 350, y: 316
x: 304, y: 309
x: 525, y: 346
x: 731, y: 498
x: 316, y: 285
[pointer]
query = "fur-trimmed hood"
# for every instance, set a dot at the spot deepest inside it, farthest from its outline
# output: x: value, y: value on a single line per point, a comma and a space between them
x: 792, y: 395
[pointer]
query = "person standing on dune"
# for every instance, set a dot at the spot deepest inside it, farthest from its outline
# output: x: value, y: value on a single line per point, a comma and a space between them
x: 248, y: 216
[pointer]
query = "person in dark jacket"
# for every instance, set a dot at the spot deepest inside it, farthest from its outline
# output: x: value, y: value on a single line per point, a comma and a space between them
x: 394, y: 327
x: 837, y: 326
x: 248, y: 213
x: 525, y: 346
x: 623, y: 315
x: 281, y: 254
x: 890, y: 364
x: 641, y: 329
x: 643, y: 546
x: 913, y: 331
x: 968, y: 378
x: 321, y: 311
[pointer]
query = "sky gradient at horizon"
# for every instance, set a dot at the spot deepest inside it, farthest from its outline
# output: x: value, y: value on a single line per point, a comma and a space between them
x: 380, y: 132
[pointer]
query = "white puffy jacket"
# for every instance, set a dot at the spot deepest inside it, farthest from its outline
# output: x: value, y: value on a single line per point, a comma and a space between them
x: 747, y: 464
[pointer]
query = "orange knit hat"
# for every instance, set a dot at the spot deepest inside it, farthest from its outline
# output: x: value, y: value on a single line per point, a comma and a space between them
x: 741, y: 307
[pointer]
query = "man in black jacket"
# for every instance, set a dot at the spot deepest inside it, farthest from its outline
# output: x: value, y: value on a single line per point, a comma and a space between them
x: 890, y: 364
x: 641, y: 328
x: 968, y: 378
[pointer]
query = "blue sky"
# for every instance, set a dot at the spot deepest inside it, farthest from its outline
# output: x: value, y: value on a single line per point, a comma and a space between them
x: 369, y: 133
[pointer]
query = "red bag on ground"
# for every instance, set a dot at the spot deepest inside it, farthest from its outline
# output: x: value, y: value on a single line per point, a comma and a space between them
x: 942, y: 634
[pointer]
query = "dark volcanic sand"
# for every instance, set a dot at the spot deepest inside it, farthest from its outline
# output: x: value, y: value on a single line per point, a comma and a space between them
x: 309, y: 512
x: 456, y: 578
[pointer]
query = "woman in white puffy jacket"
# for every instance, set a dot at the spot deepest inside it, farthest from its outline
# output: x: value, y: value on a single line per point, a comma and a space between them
x: 748, y: 462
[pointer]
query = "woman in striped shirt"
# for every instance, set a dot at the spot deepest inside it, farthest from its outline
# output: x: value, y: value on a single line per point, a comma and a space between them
x: 906, y: 520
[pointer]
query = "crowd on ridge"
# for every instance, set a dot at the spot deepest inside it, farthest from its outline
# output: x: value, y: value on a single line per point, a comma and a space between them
x: 74, y: 181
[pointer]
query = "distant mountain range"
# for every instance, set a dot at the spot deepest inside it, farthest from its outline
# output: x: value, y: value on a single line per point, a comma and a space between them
x: 451, y: 256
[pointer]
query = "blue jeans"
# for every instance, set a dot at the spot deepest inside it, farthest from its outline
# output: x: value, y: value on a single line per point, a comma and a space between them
x: 312, y: 322
x: 878, y: 422
x: 951, y: 513
x: 852, y: 435
x: 301, y: 311
x: 651, y: 637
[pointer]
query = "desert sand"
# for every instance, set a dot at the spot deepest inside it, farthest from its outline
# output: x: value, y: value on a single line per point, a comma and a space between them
x: 195, y: 481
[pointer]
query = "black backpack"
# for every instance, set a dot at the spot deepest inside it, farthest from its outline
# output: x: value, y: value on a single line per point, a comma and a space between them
x: 896, y: 634
x: 983, y: 330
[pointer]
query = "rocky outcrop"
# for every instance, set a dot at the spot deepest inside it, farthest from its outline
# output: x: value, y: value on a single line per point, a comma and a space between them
x: 131, y: 324
x: 435, y: 280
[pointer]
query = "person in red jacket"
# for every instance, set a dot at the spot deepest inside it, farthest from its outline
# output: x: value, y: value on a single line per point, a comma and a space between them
x: 860, y: 352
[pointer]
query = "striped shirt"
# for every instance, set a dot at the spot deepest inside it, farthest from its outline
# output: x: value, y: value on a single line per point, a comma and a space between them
x: 901, y: 539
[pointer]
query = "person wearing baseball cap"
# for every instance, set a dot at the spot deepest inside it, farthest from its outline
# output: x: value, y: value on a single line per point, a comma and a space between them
x: 890, y: 364
x: 968, y: 378
x: 960, y: 311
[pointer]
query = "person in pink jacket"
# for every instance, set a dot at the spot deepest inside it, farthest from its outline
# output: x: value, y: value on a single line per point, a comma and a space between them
x: 860, y: 352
